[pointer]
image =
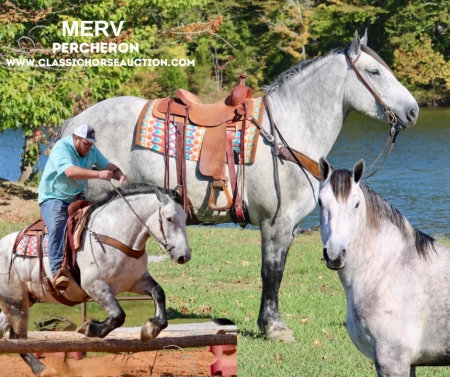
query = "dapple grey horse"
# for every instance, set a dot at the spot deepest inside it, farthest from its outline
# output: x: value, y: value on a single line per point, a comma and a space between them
x: 394, y: 276
x: 309, y: 103
x: 104, y: 270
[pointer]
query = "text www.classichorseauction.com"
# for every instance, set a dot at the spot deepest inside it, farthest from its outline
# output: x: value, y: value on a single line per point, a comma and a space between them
x: 93, y: 29
x: 100, y: 62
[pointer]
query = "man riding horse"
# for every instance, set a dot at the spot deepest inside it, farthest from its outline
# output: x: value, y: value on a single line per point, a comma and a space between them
x: 70, y: 165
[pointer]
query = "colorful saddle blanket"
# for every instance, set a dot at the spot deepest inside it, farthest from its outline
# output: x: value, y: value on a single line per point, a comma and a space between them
x: 28, y: 247
x: 150, y: 134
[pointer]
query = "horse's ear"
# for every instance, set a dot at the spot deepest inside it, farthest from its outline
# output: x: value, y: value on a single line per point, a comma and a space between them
x: 161, y: 196
x: 364, y: 39
x: 358, y: 170
x: 324, y: 168
x: 355, y: 48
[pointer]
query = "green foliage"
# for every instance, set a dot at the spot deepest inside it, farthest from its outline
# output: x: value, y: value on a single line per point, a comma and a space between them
x: 33, y: 97
x: 334, y: 25
x: 171, y: 79
x: 424, y: 70
x: 226, y: 38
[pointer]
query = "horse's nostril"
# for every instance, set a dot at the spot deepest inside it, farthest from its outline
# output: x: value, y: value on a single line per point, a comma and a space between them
x: 325, y: 255
x: 412, y: 115
x: 344, y: 251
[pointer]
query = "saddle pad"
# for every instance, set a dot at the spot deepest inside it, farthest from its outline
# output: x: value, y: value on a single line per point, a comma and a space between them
x: 150, y: 134
x: 27, y: 246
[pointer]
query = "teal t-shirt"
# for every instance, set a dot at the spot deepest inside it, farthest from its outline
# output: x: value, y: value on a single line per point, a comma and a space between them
x: 54, y: 183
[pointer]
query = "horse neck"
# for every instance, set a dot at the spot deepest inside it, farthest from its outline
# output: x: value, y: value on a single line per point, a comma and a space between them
x: 308, y: 107
x: 117, y: 220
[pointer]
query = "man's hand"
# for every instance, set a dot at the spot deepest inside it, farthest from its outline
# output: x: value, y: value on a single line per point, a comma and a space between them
x: 105, y: 175
x: 123, y: 180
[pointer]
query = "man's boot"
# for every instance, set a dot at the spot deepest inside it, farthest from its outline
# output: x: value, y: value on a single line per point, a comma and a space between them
x: 60, y: 281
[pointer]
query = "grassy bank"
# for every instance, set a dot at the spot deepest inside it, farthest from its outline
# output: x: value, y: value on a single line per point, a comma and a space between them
x: 223, y: 280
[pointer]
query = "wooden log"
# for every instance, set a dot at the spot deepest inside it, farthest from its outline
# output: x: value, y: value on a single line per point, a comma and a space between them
x: 111, y: 345
x: 122, y: 340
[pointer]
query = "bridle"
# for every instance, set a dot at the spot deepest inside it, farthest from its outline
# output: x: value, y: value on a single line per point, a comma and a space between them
x: 287, y: 153
x: 395, y: 122
x: 102, y: 239
x: 390, y: 116
x: 163, y: 242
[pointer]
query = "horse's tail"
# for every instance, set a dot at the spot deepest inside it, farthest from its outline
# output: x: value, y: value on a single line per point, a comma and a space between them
x: 61, y: 129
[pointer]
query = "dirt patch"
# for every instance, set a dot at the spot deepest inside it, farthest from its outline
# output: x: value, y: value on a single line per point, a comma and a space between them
x: 18, y: 203
x: 158, y: 363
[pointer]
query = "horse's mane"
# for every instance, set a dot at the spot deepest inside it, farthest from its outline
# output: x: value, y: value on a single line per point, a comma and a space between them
x: 297, y: 68
x: 379, y: 209
x: 135, y: 189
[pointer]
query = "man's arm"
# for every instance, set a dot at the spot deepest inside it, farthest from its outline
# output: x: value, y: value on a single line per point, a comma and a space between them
x: 75, y: 172
x: 117, y: 173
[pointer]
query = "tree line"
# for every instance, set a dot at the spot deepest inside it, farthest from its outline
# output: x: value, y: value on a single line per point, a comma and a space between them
x: 226, y: 38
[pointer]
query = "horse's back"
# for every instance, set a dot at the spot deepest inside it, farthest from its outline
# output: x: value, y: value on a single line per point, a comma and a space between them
x: 116, y: 114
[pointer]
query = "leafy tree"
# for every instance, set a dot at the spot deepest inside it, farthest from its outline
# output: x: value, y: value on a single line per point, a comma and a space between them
x: 33, y: 97
x: 424, y: 70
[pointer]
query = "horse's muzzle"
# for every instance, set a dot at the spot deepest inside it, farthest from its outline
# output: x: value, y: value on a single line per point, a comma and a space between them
x: 182, y: 259
x: 337, y: 263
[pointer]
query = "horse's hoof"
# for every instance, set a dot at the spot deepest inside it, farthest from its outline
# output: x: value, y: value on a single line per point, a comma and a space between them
x: 278, y: 331
x: 282, y: 336
x: 48, y: 372
x: 84, y: 329
x: 150, y: 331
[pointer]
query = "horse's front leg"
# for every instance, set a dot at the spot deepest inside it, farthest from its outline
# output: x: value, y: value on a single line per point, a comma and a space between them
x: 148, y: 286
x: 101, y: 293
x: 276, y: 239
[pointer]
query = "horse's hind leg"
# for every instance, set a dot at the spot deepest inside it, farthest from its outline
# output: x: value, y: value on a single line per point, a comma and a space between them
x: 18, y: 329
x: 101, y: 293
x: 148, y: 286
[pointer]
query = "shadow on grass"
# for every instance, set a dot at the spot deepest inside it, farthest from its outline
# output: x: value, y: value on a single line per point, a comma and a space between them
x: 252, y: 334
x: 8, y: 189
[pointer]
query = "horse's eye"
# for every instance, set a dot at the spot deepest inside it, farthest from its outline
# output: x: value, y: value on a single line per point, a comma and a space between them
x: 374, y: 72
x: 357, y: 205
x: 320, y: 203
x: 169, y: 219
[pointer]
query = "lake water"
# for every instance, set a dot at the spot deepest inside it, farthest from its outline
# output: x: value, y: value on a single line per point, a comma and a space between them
x: 415, y: 178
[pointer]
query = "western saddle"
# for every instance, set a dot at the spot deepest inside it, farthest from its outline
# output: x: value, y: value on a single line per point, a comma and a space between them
x: 232, y: 113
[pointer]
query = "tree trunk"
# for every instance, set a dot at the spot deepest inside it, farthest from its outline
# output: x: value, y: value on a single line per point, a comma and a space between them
x: 29, y: 157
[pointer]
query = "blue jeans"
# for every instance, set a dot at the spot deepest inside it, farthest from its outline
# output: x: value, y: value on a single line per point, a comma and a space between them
x: 55, y: 215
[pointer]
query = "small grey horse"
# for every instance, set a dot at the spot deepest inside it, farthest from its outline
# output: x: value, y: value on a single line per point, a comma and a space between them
x: 309, y: 103
x: 395, y: 277
x: 104, y: 270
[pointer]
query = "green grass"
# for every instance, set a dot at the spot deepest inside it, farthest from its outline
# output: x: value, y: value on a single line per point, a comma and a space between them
x: 223, y: 280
